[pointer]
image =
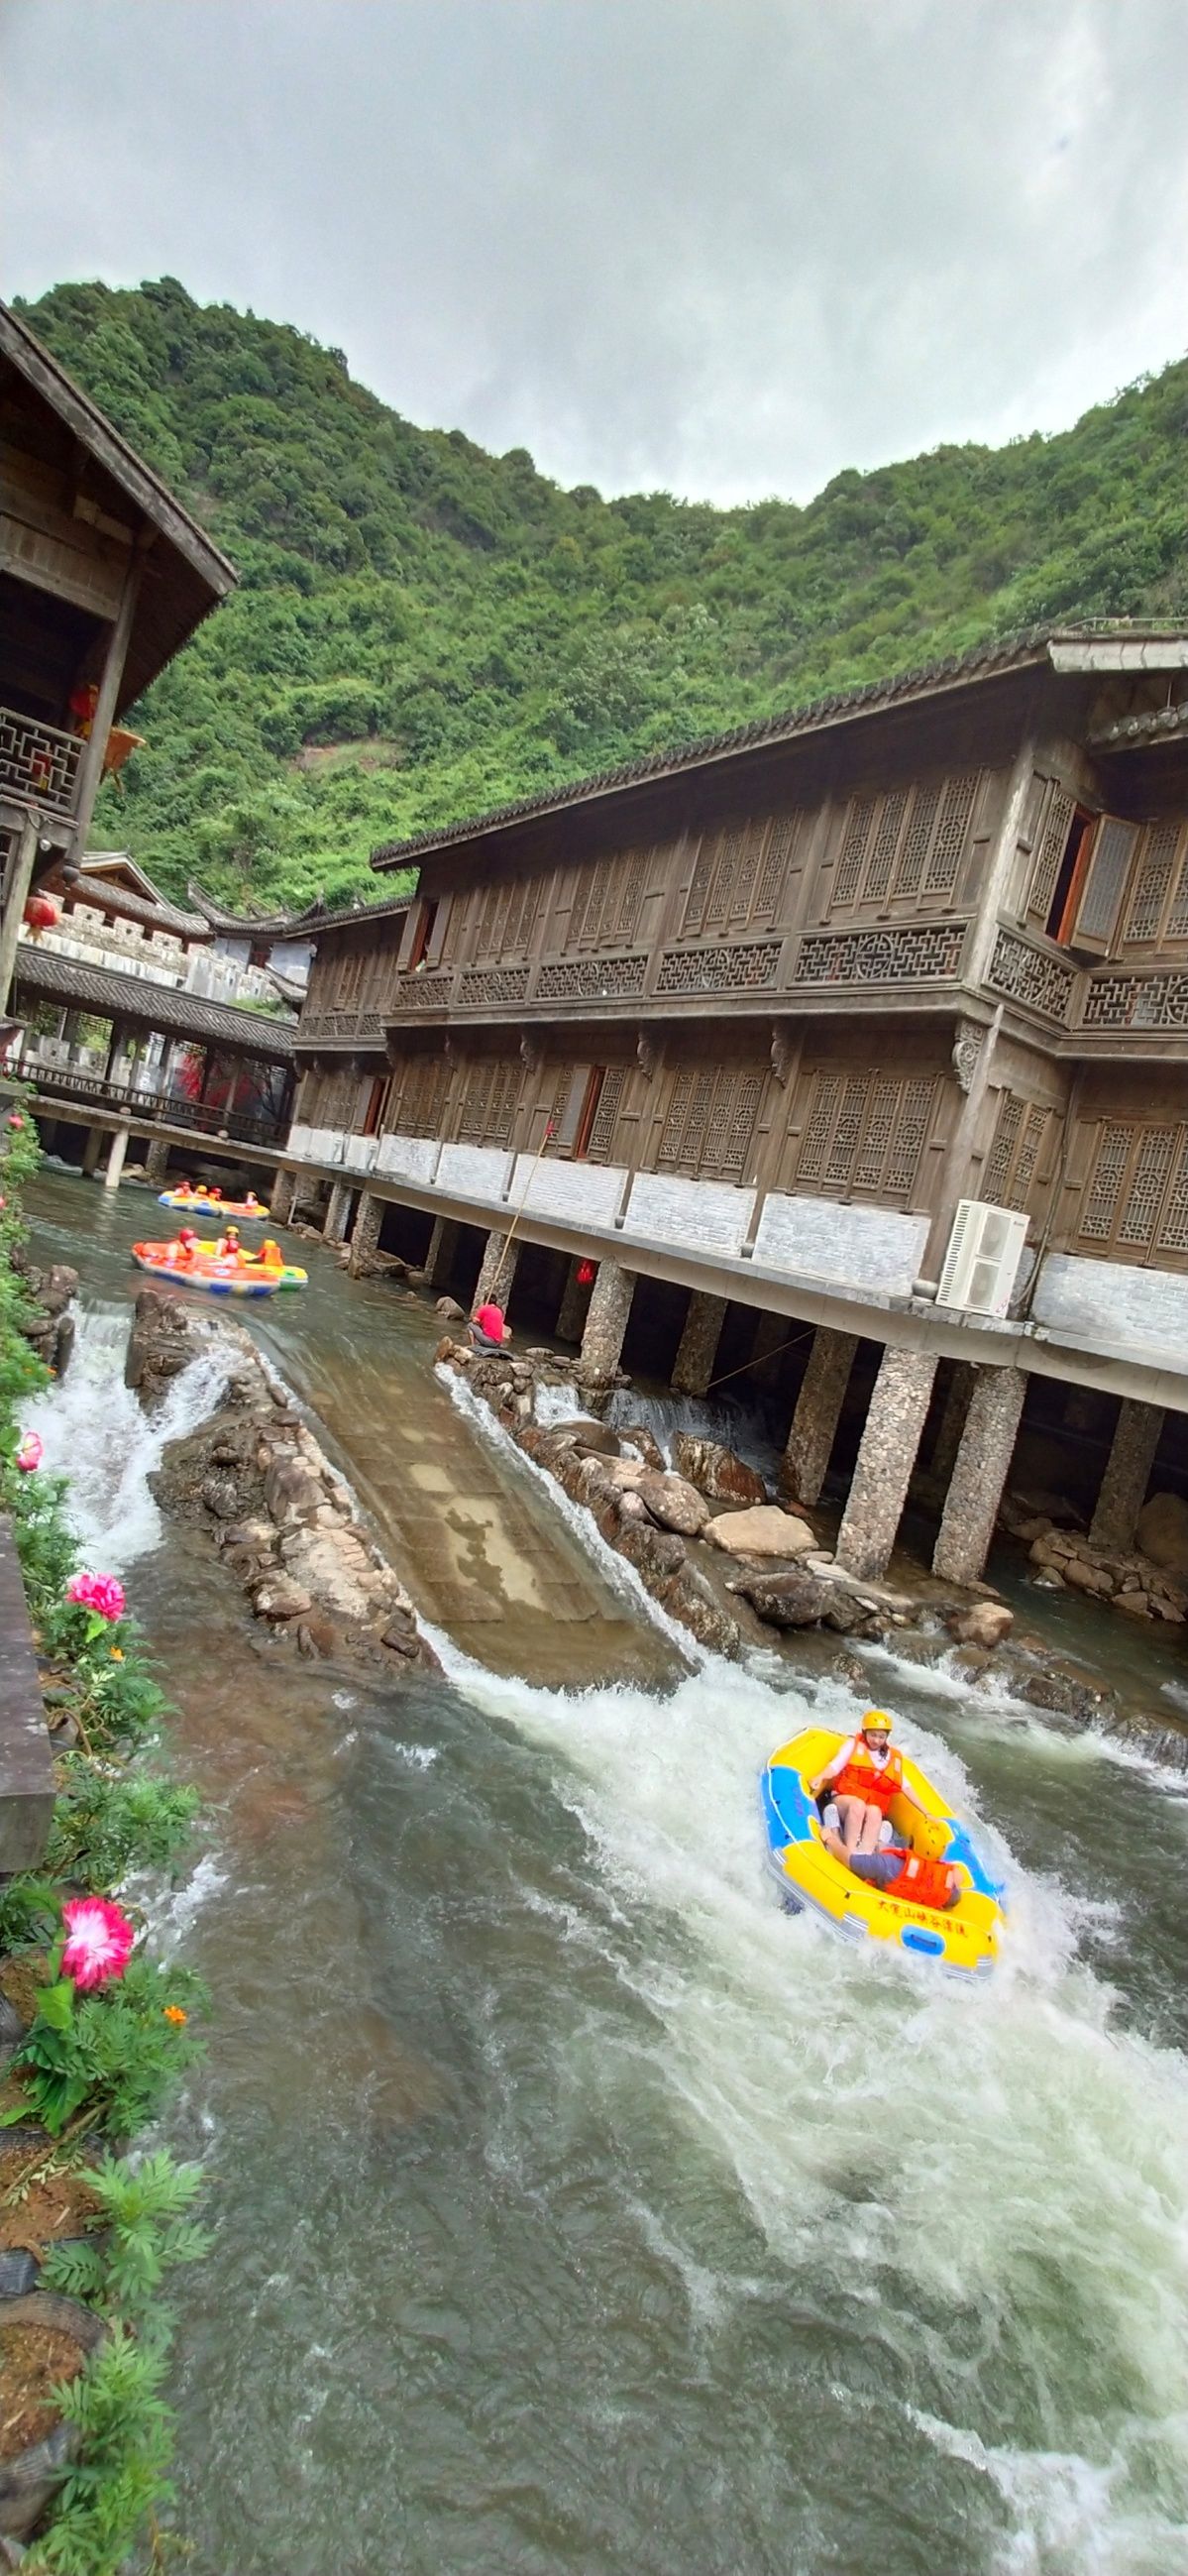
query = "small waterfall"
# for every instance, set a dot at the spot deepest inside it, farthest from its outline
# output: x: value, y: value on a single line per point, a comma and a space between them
x: 703, y: 1417
x: 95, y: 1430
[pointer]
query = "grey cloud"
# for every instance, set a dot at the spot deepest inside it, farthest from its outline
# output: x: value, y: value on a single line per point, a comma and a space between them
x: 724, y: 246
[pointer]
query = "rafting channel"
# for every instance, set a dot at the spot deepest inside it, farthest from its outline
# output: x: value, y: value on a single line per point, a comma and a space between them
x: 576, y: 2211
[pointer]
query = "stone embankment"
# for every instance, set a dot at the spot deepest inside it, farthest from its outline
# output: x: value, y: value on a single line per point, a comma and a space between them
x: 702, y: 1538
x: 254, y: 1478
x: 1147, y: 1581
x: 50, y: 1326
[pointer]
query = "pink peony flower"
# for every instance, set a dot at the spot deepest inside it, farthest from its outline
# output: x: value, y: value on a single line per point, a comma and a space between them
x: 99, y: 1592
x: 15, y: 1120
x: 29, y: 1452
x: 99, y: 1941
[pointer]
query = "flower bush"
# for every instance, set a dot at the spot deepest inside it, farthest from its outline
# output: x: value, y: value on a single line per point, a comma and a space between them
x: 113, y: 2029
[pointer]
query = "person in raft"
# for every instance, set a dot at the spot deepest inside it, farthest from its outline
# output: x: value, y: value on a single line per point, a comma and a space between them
x: 864, y: 1777
x: 228, y: 1248
x: 252, y: 1203
x: 487, y: 1330
x: 183, y: 1247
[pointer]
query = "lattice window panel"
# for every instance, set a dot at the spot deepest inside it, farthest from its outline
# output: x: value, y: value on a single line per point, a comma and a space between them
x: 1148, y: 1181
x: 956, y: 815
x: 738, y: 968
x: 698, y: 895
x: 490, y: 1102
x: 674, y: 1124
x: 852, y: 856
x: 895, y: 956
x: 710, y: 1122
x: 909, y: 874
x: 1172, y: 1233
x: 865, y: 1132
x: 1053, y: 841
x: 602, y: 1131
x: 419, y: 1106
x: 781, y: 843
x: 562, y: 1086
x: 877, y: 880
x: 455, y: 924
x: 591, y: 979
x: 629, y: 897
x: 1026, y: 975
x: 1099, y: 1212
x: 1001, y: 1157
x: 424, y: 992
x: 1152, y: 883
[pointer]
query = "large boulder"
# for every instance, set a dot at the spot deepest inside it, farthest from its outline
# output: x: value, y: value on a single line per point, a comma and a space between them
x: 596, y: 1438
x: 797, y: 1599
x: 673, y: 1502
x: 1162, y: 1532
x: 764, y: 1531
x: 716, y: 1471
x: 986, y: 1624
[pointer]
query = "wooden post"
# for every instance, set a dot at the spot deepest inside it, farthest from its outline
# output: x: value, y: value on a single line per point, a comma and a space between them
x: 18, y: 879
x: 90, y: 772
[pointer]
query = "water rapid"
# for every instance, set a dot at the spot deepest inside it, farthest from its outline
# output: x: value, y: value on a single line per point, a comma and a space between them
x: 578, y: 2212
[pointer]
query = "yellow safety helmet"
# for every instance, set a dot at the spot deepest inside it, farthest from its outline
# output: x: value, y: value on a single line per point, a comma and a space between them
x: 876, y: 1721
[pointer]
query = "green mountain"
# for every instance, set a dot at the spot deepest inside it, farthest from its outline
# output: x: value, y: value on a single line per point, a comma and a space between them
x: 423, y: 630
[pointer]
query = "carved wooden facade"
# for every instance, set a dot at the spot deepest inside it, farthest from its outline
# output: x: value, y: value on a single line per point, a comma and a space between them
x: 926, y: 946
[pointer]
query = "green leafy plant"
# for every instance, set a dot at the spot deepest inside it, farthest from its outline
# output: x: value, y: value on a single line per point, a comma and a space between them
x: 121, y: 2476
x: 141, y: 2231
x: 114, y: 2054
x: 107, y: 1822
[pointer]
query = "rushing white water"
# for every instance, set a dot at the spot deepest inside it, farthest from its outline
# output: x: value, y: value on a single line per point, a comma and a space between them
x: 980, y: 2140
x: 95, y: 1429
x: 665, y: 1416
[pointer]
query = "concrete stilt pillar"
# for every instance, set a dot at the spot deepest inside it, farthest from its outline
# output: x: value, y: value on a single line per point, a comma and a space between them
x: 281, y: 1197
x: 818, y: 1405
x: 606, y: 1322
x: 115, y: 1160
x: 497, y: 1272
x: 338, y: 1212
x: 156, y: 1162
x: 694, y: 1364
x: 952, y: 1422
x: 772, y: 1333
x: 1128, y: 1473
x: 980, y: 1471
x: 571, y: 1313
x: 886, y: 1457
x: 365, y: 1239
x: 443, y: 1246
x: 91, y: 1152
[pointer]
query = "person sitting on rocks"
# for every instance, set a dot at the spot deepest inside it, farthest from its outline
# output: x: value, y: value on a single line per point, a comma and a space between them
x: 865, y: 1775
x: 487, y: 1330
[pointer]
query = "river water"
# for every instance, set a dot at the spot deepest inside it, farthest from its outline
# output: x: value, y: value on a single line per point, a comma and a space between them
x: 577, y: 2212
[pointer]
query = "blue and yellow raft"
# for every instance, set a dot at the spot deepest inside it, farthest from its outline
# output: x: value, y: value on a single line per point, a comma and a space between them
x: 965, y: 1939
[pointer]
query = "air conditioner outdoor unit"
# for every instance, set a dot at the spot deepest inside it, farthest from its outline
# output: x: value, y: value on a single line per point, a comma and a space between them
x: 982, y: 1262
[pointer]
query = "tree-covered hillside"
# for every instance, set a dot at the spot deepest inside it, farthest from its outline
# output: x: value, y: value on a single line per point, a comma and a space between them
x: 423, y: 630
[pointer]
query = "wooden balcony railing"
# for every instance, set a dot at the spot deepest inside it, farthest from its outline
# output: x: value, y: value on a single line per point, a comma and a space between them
x: 147, y: 1108
x: 38, y: 764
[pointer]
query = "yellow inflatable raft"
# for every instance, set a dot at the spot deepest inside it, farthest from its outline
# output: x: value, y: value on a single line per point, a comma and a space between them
x: 965, y: 1938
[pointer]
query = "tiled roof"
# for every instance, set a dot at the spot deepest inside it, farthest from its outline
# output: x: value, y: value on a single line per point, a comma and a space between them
x: 97, y: 890
x: 110, y: 995
x: 248, y: 925
x: 985, y: 661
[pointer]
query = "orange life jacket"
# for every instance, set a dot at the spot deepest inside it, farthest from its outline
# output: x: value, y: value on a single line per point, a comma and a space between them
x: 920, y: 1881
x: 863, y: 1778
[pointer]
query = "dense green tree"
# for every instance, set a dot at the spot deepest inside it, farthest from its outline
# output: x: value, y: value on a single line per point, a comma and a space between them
x: 423, y: 630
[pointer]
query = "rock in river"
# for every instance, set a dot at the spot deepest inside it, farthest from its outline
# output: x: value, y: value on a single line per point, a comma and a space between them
x: 765, y: 1531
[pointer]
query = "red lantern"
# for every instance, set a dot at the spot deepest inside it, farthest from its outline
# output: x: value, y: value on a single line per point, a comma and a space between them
x: 585, y: 1274
x: 41, y: 913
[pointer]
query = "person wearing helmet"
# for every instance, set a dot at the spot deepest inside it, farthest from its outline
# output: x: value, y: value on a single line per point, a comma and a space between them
x: 227, y: 1247
x: 865, y: 1775
x: 183, y: 1247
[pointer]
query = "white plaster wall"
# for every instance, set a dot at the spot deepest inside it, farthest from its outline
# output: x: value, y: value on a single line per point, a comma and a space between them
x: 1110, y: 1302
x: 587, y: 1193
x: 299, y: 1140
x: 861, y: 1247
x: 474, y: 1171
x: 326, y: 1144
x: 408, y: 1158
x: 708, y: 1216
x: 360, y: 1153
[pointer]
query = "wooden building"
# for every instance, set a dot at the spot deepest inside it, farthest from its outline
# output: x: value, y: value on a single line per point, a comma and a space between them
x: 103, y: 576
x: 874, y: 1016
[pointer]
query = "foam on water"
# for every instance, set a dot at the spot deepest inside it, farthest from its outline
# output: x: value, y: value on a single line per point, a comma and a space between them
x: 980, y: 2139
x: 95, y: 1429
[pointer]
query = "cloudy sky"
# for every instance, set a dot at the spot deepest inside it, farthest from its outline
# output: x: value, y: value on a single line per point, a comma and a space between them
x: 723, y: 247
